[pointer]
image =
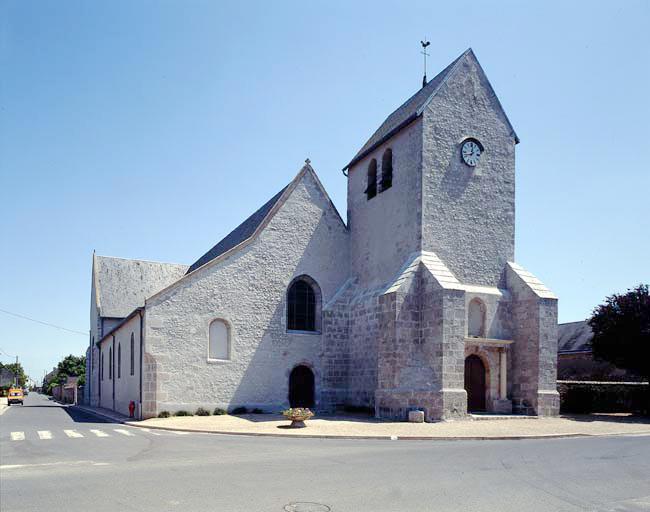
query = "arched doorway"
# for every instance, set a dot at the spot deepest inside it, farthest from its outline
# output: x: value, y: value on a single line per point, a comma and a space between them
x: 301, y: 387
x: 475, y: 383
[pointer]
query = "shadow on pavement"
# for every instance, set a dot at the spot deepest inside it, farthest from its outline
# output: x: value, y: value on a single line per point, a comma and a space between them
x: 79, y: 416
x: 611, y: 418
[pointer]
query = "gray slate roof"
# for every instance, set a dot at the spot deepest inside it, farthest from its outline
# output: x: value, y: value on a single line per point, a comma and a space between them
x: 241, y: 233
x: 406, y: 113
x: 574, y: 337
x: 122, y: 285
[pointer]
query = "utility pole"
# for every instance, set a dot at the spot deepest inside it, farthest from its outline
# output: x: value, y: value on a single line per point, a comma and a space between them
x: 16, y: 373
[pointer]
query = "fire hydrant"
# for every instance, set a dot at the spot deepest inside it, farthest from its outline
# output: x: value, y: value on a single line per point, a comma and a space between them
x: 131, y: 408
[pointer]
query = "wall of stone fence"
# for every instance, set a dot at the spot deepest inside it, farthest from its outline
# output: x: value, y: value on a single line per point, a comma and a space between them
x: 581, y: 397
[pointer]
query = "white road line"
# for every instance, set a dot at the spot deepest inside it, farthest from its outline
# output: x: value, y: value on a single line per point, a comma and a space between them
x: 124, y: 432
x: 18, y: 436
x: 44, y: 434
x: 72, y: 433
x: 179, y: 432
x: 148, y: 430
x: 99, y: 433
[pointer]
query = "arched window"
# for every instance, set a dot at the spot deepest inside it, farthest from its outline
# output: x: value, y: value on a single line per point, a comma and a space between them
x: 132, y: 355
x: 219, y: 344
x: 101, y: 367
x: 110, y: 363
x: 119, y: 360
x: 476, y: 319
x: 387, y: 169
x: 371, y: 189
x: 303, y: 305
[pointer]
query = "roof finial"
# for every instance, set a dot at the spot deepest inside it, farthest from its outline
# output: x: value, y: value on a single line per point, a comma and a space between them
x: 307, y: 161
x: 424, y: 44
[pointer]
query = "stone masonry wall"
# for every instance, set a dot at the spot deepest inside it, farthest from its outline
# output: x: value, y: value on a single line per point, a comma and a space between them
x: 385, y: 230
x: 248, y: 291
x: 534, y: 352
x: 468, y: 213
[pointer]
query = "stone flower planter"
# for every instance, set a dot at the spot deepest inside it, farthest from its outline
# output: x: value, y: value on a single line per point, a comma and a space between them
x: 298, y: 416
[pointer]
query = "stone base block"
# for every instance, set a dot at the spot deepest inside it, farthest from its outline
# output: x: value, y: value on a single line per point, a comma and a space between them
x: 502, y: 406
x: 542, y: 403
x: 416, y: 416
x: 548, y: 403
x: 437, y: 405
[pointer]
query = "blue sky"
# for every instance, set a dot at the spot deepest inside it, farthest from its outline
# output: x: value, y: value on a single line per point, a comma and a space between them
x: 150, y: 129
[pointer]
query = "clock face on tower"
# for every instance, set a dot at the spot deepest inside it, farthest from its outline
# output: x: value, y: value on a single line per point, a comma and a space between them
x: 471, y: 152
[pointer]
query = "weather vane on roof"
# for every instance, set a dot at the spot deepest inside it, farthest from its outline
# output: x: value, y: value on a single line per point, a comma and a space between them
x: 424, y: 44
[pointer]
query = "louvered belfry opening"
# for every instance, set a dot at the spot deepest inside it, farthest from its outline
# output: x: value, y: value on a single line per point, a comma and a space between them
x: 301, y: 307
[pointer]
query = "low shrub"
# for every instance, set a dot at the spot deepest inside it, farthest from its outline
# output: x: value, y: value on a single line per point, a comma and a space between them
x: 239, y: 410
x: 164, y: 414
x: 202, y: 412
x: 183, y: 413
x: 219, y: 411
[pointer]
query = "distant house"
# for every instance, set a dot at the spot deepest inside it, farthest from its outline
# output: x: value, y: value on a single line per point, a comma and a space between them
x: 6, y: 377
x: 575, y: 360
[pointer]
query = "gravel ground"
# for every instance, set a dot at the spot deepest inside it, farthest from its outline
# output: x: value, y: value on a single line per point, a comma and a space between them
x: 357, y: 426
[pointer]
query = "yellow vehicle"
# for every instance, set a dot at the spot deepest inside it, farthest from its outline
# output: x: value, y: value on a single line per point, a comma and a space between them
x: 15, y: 396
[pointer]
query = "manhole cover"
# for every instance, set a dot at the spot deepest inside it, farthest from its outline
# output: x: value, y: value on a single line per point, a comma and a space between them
x: 306, y: 506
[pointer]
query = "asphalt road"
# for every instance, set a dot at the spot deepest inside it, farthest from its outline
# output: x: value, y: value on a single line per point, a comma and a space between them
x: 102, y: 466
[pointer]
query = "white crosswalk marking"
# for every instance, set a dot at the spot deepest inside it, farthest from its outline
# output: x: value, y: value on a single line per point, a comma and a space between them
x: 124, y: 432
x: 72, y: 433
x: 18, y: 436
x: 44, y: 434
x: 153, y: 433
x: 99, y: 433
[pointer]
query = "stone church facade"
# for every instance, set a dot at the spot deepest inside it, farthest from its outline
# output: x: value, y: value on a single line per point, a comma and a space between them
x: 415, y: 303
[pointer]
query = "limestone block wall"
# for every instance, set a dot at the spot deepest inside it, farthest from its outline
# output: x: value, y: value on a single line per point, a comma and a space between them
x: 247, y: 289
x: 468, y: 213
x: 336, y: 349
x: 385, y: 230
x: 421, y: 352
x: 364, y: 332
x: 534, y: 352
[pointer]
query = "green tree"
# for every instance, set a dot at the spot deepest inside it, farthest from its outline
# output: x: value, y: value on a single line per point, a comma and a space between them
x: 621, y: 328
x: 69, y: 366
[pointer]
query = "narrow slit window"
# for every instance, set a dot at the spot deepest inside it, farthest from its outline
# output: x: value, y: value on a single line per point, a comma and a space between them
x: 387, y: 170
x: 371, y: 189
x: 132, y: 355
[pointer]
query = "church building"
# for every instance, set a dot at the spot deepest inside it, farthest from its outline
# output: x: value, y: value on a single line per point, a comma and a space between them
x: 415, y: 303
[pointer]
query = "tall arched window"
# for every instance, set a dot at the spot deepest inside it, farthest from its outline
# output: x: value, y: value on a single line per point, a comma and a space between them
x: 303, y: 305
x: 119, y: 360
x: 371, y: 189
x: 476, y: 319
x: 387, y: 169
x: 110, y: 363
x: 219, y: 343
x: 101, y: 367
x: 132, y: 355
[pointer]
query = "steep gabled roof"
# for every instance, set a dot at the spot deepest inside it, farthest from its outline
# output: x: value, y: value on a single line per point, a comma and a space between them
x: 242, y: 232
x: 247, y: 230
x: 410, y: 110
x: 123, y: 285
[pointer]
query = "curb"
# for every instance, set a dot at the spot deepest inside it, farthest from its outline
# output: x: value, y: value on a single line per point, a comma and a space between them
x: 386, y: 437
x: 3, y: 409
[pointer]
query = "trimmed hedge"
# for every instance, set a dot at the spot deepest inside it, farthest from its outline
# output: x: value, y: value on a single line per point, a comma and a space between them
x: 590, y: 396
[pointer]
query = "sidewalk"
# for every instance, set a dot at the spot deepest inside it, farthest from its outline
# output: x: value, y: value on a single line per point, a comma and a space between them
x: 3, y: 405
x: 363, y: 427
